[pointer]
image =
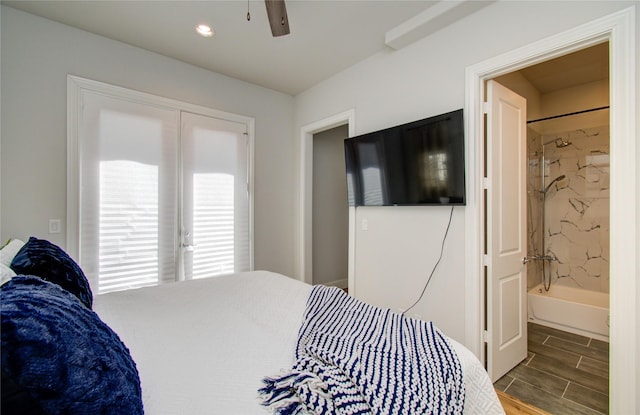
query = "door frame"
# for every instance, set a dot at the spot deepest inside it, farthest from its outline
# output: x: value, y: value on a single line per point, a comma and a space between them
x: 304, y: 254
x: 619, y: 30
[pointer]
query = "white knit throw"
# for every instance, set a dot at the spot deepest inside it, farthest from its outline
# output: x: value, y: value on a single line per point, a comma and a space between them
x: 354, y: 358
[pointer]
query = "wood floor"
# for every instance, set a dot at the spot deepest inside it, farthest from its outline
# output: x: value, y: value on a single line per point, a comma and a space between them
x: 564, y: 374
x: 514, y: 406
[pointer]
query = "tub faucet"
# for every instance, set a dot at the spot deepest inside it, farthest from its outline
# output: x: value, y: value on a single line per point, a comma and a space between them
x: 539, y: 258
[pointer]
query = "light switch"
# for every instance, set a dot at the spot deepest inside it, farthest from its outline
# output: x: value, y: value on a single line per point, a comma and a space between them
x: 55, y: 226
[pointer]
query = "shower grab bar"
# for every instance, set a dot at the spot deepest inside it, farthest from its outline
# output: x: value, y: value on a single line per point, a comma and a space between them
x: 539, y: 258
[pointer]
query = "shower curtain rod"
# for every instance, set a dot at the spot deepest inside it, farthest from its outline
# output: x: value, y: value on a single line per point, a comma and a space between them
x: 566, y: 115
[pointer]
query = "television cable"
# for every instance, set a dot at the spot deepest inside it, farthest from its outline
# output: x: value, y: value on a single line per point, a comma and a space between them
x: 444, y: 239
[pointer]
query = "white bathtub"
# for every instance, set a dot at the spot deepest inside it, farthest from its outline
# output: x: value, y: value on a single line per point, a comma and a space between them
x: 570, y: 309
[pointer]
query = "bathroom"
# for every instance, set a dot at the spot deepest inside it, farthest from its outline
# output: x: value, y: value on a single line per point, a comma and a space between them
x: 568, y: 165
x: 568, y: 190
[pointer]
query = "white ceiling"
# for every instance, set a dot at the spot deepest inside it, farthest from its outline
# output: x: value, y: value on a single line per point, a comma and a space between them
x: 326, y: 36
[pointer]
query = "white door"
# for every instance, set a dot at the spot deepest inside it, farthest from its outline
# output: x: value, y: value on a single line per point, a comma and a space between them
x: 215, y: 197
x: 506, y: 230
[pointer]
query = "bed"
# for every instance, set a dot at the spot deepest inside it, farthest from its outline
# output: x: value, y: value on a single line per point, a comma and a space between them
x: 220, y: 345
x: 204, y: 346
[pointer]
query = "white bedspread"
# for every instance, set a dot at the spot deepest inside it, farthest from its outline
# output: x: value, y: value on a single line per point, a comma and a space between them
x: 204, y: 346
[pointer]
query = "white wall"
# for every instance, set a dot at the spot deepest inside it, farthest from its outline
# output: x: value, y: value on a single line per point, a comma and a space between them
x: 423, y: 79
x: 37, y: 55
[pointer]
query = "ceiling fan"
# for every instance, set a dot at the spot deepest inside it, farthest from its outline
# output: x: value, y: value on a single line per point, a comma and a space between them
x: 278, y: 20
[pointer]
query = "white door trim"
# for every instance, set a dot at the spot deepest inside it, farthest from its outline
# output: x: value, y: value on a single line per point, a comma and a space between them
x: 619, y: 29
x: 305, y: 245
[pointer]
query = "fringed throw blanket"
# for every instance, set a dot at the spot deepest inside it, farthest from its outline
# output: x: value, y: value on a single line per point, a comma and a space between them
x: 354, y: 358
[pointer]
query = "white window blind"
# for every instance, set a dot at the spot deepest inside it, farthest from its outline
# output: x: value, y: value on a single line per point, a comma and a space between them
x: 213, y: 225
x: 128, y: 242
x: 128, y: 193
x: 215, y: 196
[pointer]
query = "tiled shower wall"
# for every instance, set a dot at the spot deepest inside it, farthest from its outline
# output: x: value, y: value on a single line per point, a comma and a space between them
x: 576, y: 208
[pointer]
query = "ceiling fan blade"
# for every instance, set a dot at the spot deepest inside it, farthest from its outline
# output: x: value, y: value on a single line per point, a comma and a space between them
x: 277, y: 14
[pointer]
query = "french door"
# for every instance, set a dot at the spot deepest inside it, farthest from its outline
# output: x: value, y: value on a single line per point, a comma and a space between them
x: 163, y: 192
x: 215, y: 198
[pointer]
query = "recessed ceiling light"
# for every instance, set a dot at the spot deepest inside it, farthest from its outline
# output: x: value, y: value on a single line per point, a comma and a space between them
x: 204, y: 30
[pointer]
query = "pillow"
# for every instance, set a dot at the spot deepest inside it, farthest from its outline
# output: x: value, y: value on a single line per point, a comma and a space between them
x: 6, y: 273
x: 9, y: 251
x: 61, y: 354
x: 48, y: 261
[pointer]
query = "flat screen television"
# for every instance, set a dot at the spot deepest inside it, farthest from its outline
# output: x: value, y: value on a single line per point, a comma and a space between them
x: 418, y: 163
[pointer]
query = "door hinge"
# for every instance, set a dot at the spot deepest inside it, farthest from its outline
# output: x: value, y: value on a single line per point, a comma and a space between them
x: 485, y: 107
x: 485, y: 336
x: 486, y: 261
x: 485, y: 182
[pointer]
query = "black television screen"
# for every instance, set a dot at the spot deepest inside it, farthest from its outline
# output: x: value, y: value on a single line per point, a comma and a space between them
x: 418, y: 163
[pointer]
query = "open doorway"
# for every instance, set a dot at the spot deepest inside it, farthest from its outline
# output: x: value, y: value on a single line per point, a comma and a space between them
x: 342, y: 122
x: 330, y: 213
x: 567, y: 168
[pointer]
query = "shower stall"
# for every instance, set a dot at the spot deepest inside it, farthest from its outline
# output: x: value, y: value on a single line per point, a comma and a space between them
x: 568, y: 229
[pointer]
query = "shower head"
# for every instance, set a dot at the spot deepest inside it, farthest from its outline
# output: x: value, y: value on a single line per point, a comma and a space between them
x: 562, y: 142
x: 559, y: 142
x: 546, y: 189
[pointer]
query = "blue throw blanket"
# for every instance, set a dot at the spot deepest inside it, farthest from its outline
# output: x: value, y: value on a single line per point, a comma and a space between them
x: 354, y: 358
x: 59, y: 356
